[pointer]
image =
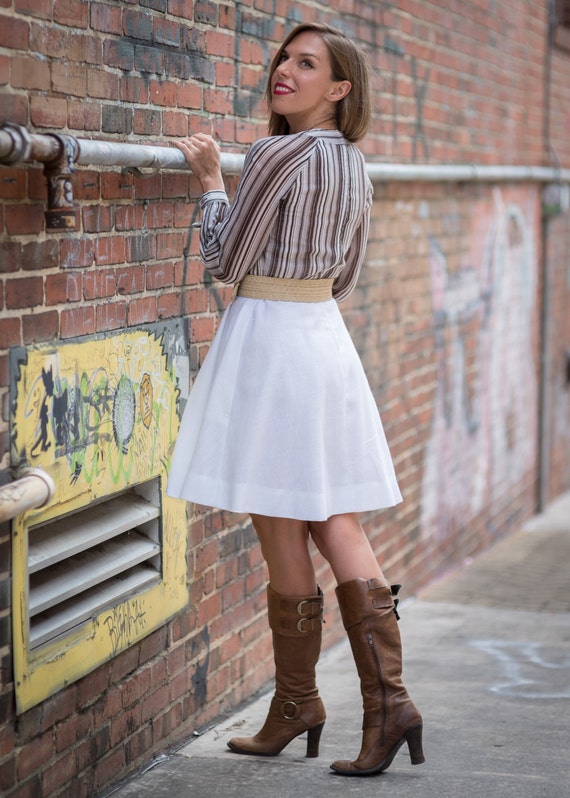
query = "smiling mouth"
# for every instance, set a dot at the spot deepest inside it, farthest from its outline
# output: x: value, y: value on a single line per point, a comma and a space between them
x: 281, y: 88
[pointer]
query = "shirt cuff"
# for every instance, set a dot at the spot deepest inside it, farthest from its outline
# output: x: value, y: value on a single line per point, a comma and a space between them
x: 216, y: 195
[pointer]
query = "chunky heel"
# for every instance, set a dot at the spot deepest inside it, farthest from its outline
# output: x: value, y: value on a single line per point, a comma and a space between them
x: 313, y: 739
x: 414, y: 740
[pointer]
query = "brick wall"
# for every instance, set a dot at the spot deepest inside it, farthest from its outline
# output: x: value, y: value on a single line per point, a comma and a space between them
x: 447, y: 316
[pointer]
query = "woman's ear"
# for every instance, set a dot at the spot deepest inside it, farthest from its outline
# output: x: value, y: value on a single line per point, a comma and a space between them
x: 340, y: 91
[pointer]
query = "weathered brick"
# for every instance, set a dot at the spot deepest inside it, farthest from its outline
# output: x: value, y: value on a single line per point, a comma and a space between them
x: 12, y: 183
x: 149, y: 59
x: 48, y: 112
x: 14, y: 33
x: 40, y: 255
x: 77, y: 321
x: 33, y: 755
x: 64, y: 287
x: 30, y: 73
x: 116, y: 119
x: 25, y: 292
x: 137, y: 24
x: 71, y: 12
x: 105, y: 18
x: 142, y: 311
x: 69, y: 78
x: 40, y: 327
x: 119, y: 53
x: 111, y: 316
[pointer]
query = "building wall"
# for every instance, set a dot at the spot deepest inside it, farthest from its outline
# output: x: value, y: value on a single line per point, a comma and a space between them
x: 460, y: 315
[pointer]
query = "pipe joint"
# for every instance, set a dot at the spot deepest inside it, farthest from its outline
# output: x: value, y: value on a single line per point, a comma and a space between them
x: 61, y: 213
x: 18, y: 146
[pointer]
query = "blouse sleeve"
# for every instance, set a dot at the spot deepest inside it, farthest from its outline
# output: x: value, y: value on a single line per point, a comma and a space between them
x: 233, y: 236
x: 347, y: 279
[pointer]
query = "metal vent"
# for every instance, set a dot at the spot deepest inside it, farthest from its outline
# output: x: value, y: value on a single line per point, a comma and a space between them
x: 82, y: 563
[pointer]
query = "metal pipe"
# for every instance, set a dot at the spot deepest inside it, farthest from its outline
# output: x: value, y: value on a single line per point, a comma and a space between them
x: 34, y: 488
x: 92, y: 152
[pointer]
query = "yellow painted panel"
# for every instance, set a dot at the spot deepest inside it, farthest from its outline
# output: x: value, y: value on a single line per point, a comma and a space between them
x: 100, y: 415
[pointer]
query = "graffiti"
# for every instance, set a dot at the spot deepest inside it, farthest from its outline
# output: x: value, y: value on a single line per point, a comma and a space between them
x: 483, y: 427
x: 527, y: 672
x: 125, y: 621
x: 200, y: 675
x: 98, y: 405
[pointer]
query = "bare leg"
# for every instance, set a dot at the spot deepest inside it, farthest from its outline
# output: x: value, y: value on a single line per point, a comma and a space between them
x: 284, y: 545
x: 343, y: 543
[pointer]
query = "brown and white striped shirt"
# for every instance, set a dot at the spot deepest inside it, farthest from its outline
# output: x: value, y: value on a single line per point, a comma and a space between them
x: 301, y: 209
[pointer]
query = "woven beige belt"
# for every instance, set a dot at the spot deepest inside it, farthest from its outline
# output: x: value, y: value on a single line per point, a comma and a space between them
x: 286, y: 289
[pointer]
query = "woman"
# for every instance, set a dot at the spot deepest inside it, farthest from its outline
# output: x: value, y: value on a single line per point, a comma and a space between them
x: 281, y: 422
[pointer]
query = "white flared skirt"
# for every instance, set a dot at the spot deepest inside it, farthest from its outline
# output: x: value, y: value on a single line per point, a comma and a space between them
x: 281, y: 420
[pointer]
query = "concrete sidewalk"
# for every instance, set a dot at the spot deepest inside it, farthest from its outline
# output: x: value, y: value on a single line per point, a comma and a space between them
x: 486, y: 659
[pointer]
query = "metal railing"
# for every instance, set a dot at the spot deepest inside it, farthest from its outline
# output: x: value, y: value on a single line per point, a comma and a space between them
x: 61, y: 153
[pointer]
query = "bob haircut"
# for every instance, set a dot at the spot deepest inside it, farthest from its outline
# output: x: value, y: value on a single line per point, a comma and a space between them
x: 348, y: 62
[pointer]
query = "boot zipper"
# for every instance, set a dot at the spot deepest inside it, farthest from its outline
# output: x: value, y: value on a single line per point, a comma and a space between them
x: 376, y: 659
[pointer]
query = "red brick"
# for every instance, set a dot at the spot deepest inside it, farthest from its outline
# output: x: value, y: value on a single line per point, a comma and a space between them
x: 116, y: 186
x: 188, y: 95
x: 33, y: 755
x: 105, y: 18
x: 110, y: 249
x: 174, y: 123
x: 14, y: 108
x: 159, y: 275
x: 10, y: 332
x: 40, y: 327
x: 12, y: 183
x: 48, y: 112
x: 77, y: 252
x: 24, y: 219
x: 58, y: 774
x: 69, y: 78
x: 83, y: 115
x: 168, y: 306
x: 14, y: 33
x: 30, y: 73
x: 142, y: 311
x: 111, y: 316
x: 99, y: 283
x: 4, y: 70
x: 64, y: 287
x: 77, y: 321
x: 104, y: 85
x: 163, y: 92
x: 71, y: 12
x: 24, y: 292
x: 130, y: 280
x: 98, y: 218
x: 169, y: 245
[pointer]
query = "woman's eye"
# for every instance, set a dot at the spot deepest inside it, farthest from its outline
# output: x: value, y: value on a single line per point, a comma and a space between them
x: 306, y: 63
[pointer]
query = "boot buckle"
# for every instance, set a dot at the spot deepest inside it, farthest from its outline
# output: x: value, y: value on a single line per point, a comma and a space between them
x: 311, y: 622
x: 300, y: 609
x: 288, y: 714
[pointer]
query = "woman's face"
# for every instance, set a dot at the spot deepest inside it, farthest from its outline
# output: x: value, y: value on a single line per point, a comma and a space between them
x: 302, y: 87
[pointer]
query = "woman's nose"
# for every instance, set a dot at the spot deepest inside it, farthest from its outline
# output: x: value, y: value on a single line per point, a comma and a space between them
x: 283, y: 67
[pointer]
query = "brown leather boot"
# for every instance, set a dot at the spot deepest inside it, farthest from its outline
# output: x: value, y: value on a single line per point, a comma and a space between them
x: 390, y: 718
x: 296, y: 623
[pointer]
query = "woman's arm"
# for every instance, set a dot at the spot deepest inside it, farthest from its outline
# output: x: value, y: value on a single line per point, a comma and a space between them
x: 347, y: 279
x: 233, y: 236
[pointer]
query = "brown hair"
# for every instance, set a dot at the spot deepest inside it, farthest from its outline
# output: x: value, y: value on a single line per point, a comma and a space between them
x: 348, y: 62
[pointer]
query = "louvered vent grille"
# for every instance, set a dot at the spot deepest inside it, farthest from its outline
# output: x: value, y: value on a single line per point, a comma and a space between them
x: 82, y: 563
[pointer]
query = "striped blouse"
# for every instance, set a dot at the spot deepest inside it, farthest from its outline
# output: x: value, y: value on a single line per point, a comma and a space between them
x: 301, y: 209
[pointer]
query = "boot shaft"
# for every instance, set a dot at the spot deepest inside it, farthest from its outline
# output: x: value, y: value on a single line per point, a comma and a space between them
x: 296, y: 623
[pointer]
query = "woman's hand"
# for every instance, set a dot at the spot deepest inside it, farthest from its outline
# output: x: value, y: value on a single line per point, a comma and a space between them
x: 203, y: 155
